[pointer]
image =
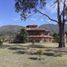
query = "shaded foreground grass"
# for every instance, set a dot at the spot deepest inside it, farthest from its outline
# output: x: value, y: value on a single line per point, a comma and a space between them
x: 18, y: 56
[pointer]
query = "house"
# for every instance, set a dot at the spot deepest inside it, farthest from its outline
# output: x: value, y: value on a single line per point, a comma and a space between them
x: 38, y: 34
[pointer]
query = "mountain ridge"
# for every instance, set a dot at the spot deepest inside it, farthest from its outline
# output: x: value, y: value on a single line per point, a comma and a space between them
x: 53, y: 28
x: 12, y: 30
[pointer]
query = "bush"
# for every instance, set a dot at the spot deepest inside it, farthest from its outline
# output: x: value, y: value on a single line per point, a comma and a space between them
x: 56, y: 37
x: 39, y: 52
x: 1, y: 43
x: 21, y: 37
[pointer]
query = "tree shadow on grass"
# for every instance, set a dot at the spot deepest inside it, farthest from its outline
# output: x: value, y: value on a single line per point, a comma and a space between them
x: 55, y: 52
x: 15, y: 48
x: 12, y: 45
x: 20, y: 52
x: 36, y: 46
x: 48, y: 54
x: 33, y: 58
x: 4, y: 46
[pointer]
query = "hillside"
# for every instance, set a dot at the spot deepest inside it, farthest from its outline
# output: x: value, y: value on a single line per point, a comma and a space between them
x: 52, y: 27
x: 9, y: 31
x: 10, y: 28
x: 14, y: 29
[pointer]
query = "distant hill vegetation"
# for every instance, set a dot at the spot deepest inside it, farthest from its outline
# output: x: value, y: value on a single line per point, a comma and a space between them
x: 14, y: 29
x: 53, y: 28
x: 10, y: 27
x: 10, y: 31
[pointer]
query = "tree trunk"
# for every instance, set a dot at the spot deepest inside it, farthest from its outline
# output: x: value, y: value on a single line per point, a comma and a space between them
x: 61, y: 35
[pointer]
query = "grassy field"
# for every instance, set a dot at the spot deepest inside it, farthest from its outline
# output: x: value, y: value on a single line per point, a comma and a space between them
x: 18, y: 55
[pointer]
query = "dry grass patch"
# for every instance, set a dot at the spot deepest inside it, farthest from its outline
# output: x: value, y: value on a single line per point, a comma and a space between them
x: 12, y: 58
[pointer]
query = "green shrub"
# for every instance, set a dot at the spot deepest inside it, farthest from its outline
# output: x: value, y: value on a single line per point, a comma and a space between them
x: 21, y: 37
x: 1, y: 43
x: 39, y: 52
x: 56, y: 37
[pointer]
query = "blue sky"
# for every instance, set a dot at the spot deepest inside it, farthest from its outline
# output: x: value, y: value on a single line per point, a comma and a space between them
x: 8, y: 16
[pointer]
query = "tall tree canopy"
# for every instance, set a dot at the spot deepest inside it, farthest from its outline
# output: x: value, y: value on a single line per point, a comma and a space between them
x: 27, y: 7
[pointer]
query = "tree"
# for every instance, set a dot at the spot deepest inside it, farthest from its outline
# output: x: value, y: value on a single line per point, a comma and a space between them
x: 56, y: 37
x: 1, y: 43
x: 27, y: 7
x: 66, y: 33
x: 22, y: 36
